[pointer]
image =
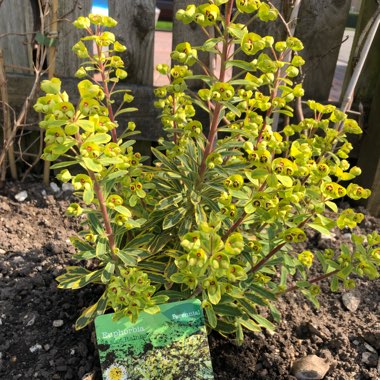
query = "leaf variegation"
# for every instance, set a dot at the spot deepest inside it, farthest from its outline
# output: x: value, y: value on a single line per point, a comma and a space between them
x: 211, y: 316
x: 92, y: 312
x: 92, y: 164
x: 263, y: 322
x: 107, y: 272
x: 99, y: 138
x: 173, y: 218
x: 127, y: 258
x: 77, y: 277
x: 169, y: 201
x: 250, y: 325
x: 123, y: 211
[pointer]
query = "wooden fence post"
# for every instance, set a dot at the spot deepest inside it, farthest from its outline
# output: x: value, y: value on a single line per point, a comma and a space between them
x: 53, y: 33
x: 320, y: 26
x: 193, y: 34
x: 364, y: 92
x: 67, y: 62
x: 16, y: 30
x: 135, y: 29
x: 369, y: 155
x: 367, y: 92
x: 8, y: 143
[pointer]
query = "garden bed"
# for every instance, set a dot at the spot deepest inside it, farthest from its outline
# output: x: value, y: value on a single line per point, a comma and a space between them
x: 38, y: 340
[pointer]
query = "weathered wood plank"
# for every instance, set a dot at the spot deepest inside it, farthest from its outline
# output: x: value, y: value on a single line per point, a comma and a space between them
x: 364, y: 92
x: 369, y: 154
x: 193, y: 34
x: 16, y: 34
x: 66, y: 61
x: 136, y: 30
x: 273, y: 28
x: 367, y: 92
x: 320, y: 26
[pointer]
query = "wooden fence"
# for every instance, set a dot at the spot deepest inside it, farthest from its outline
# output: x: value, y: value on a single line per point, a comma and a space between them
x: 320, y: 25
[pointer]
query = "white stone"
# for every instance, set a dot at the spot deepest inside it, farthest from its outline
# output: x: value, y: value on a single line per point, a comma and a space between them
x: 351, y: 301
x: 58, y: 323
x: 54, y: 187
x: 35, y: 348
x: 332, y: 236
x: 18, y: 260
x: 370, y: 359
x: 310, y: 367
x: 67, y: 187
x: 89, y: 376
x: 31, y: 320
x: 2, y: 251
x: 21, y: 196
x: 370, y: 348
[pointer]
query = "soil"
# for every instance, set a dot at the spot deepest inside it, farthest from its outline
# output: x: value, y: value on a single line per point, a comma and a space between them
x: 38, y: 339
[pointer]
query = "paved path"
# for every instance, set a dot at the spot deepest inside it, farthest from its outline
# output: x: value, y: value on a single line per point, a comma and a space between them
x: 162, y: 49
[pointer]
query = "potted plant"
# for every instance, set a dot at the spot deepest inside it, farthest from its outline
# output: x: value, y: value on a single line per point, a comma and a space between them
x: 221, y: 213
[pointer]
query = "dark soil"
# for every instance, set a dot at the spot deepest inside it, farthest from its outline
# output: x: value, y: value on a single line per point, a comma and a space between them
x: 34, y: 248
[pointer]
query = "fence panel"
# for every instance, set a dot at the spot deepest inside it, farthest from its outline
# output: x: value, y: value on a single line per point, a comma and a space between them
x: 367, y: 93
x: 66, y: 61
x: 320, y: 26
x: 194, y: 35
x: 369, y: 154
x: 136, y: 30
x: 16, y: 34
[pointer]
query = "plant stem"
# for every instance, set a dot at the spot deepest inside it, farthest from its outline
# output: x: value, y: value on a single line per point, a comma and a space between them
x: 103, y: 209
x: 211, y: 138
x: 175, y: 138
x: 266, y: 258
x: 263, y: 261
x: 234, y: 226
x: 218, y: 107
x: 102, y: 206
x: 312, y: 281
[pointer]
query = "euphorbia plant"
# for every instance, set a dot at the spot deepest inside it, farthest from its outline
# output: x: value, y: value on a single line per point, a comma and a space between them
x: 222, y: 211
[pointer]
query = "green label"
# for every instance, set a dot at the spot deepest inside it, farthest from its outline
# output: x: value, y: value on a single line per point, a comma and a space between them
x: 169, y: 345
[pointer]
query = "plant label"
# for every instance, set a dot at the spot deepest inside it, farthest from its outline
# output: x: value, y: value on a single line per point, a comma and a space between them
x: 169, y: 345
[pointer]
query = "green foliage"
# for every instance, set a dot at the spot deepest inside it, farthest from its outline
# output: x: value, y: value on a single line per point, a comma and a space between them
x: 221, y: 215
